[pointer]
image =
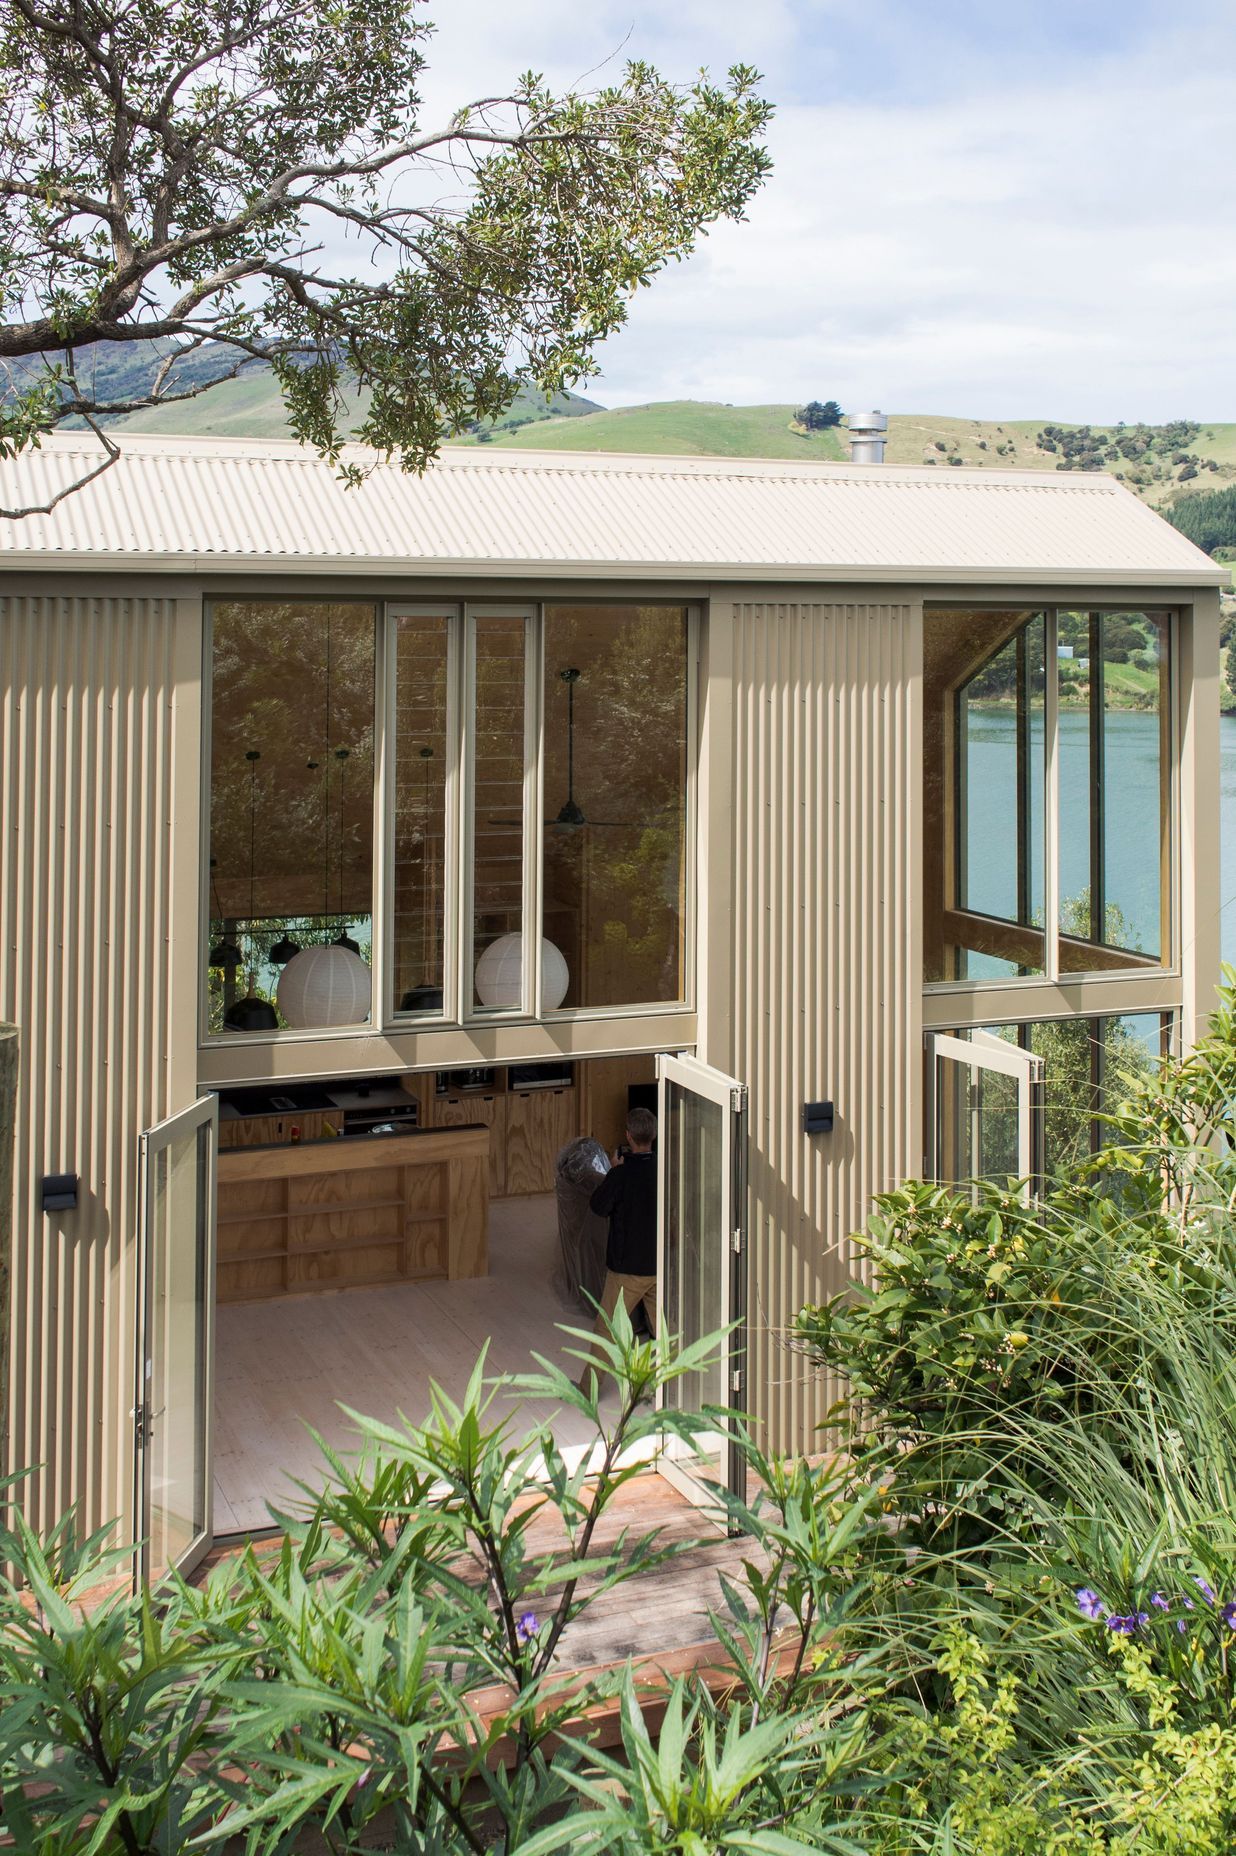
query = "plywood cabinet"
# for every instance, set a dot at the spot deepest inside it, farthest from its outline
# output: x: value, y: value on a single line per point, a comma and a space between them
x: 339, y: 1214
x: 539, y: 1123
x: 487, y: 1111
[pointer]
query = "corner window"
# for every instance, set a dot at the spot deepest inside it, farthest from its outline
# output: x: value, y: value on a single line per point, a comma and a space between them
x: 1045, y: 794
x: 291, y: 815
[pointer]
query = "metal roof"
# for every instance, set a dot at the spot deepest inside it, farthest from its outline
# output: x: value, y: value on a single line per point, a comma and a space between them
x: 209, y: 504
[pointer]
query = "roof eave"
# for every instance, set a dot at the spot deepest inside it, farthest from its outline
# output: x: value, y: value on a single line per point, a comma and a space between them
x: 394, y: 567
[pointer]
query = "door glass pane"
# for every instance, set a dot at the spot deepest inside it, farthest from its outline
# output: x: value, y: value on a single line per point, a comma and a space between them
x: 984, y: 683
x: 498, y: 814
x: 616, y: 800
x: 1089, y: 1065
x: 1114, y: 762
x: 421, y: 752
x: 696, y: 1246
x: 176, y: 1371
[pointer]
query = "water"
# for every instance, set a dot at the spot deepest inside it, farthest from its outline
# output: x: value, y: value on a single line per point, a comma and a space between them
x: 1132, y: 863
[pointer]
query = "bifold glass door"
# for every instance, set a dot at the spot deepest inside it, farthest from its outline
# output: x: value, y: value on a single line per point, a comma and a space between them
x: 984, y: 1110
x: 701, y: 1257
x: 175, y: 1281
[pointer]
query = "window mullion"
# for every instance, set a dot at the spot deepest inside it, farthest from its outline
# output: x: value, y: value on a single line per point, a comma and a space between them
x: 1051, y: 799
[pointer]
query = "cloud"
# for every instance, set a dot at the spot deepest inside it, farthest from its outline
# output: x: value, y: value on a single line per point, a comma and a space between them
x: 1023, y: 211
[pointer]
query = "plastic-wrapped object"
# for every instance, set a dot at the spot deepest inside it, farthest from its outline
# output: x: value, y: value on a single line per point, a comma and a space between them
x: 582, y: 1235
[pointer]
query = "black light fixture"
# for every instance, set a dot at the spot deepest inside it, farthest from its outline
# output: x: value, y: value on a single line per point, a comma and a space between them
x: 570, y: 813
x: 251, y: 1013
x: 283, y: 950
x: 225, y: 954
x: 343, y: 938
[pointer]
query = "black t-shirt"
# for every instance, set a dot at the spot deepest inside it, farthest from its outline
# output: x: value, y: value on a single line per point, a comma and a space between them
x: 627, y: 1196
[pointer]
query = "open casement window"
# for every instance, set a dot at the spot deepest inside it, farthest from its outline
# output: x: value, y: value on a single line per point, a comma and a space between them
x: 984, y: 1110
x: 176, y: 1293
x: 1047, y: 756
x: 702, y: 1259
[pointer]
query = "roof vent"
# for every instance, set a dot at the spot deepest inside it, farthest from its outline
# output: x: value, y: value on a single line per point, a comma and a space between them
x: 867, y: 431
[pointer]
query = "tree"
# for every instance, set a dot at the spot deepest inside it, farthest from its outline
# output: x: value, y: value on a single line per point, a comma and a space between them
x: 817, y: 417
x: 248, y: 182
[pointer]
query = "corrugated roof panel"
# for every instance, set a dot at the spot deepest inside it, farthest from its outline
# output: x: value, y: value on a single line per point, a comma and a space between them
x: 216, y: 502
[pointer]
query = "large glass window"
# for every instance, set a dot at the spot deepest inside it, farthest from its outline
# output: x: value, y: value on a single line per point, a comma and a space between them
x: 1007, y: 698
x: 1088, y: 1066
x: 500, y: 786
x: 291, y: 814
x: 615, y: 785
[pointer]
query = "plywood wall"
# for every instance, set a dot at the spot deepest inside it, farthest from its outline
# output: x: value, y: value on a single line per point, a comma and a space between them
x: 92, y: 855
x: 826, y: 953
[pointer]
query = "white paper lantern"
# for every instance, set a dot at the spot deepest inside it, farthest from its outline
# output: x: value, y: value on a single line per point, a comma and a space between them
x: 499, y: 973
x: 324, y: 986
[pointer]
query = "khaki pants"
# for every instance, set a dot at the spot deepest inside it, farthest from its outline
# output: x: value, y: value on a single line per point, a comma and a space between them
x: 633, y: 1290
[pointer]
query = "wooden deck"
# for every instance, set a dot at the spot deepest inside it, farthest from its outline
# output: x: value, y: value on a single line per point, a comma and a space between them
x: 658, y: 1621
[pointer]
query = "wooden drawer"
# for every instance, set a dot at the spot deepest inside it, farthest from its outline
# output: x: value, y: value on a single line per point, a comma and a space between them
x: 484, y: 1110
x: 539, y: 1123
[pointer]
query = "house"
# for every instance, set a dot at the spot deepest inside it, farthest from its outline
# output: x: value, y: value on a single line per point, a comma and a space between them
x: 457, y: 806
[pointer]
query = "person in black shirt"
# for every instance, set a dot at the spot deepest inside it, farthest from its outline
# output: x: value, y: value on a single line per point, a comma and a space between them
x: 627, y: 1196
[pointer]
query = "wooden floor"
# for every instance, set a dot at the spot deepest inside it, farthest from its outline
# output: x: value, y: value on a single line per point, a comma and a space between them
x: 286, y: 1364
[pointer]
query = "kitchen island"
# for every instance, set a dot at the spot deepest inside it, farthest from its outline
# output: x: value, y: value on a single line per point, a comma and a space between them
x: 305, y: 1216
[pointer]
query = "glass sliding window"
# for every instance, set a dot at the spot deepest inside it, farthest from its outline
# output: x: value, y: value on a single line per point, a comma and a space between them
x: 615, y: 800
x: 421, y: 766
x: 291, y: 814
x: 499, y: 759
x: 1114, y: 756
x: 984, y: 685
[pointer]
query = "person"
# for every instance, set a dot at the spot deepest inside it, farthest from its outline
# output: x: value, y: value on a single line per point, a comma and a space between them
x: 627, y: 1196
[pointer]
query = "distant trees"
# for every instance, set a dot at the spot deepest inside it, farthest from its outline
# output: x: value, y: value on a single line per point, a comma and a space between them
x: 1084, y: 447
x: 817, y: 417
x: 1208, y: 520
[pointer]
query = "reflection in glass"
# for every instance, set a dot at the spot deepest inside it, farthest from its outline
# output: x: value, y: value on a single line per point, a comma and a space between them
x: 498, y: 810
x: 984, y: 683
x: 421, y: 752
x: 615, y: 800
x: 175, y: 1390
x: 978, y: 1120
x: 291, y: 795
x: 1113, y: 761
x: 695, y: 1246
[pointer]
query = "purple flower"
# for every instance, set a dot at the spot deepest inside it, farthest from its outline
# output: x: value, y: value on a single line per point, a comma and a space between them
x: 1205, y: 1590
x: 1123, y: 1627
x: 526, y: 1627
x: 1159, y: 1602
x: 1228, y: 1614
x: 1181, y: 1626
x: 1141, y: 1620
x: 1090, y: 1604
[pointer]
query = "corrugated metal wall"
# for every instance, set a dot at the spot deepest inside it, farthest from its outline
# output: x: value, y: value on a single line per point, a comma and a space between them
x: 86, y: 728
x: 826, y: 957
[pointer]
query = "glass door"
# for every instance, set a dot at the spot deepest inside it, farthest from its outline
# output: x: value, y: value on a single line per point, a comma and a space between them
x: 984, y: 1110
x: 176, y: 1289
x: 701, y: 1256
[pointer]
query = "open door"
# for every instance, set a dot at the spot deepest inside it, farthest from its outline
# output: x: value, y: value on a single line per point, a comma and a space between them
x: 702, y: 1253
x: 176, y: 1292
x: 984, y: 1110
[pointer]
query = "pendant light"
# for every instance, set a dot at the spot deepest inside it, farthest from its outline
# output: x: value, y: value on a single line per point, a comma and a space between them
x: 251, y: 1013
x: 343, y: 938
x: 225, y: 954
x: 570, y: 813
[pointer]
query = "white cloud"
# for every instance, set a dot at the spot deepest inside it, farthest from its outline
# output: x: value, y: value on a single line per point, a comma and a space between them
x: 1060, y: 243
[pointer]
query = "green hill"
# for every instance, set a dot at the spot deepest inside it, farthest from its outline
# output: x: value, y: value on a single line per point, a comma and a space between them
x: 698, y: 427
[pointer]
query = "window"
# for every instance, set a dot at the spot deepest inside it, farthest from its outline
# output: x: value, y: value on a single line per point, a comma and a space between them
x: 534, y: 770
x: 291, y: 814
x: 1046, y: 776
x: 615, y: 782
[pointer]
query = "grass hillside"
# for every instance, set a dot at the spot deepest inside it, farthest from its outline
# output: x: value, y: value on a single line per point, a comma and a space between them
x: 698, y: 427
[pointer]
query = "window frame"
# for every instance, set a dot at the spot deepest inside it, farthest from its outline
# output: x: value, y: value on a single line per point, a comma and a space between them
x: 459, y: 1011
x: 1147, y: 984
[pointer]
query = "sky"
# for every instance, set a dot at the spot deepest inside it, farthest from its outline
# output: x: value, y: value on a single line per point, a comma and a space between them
x: 988, y: 208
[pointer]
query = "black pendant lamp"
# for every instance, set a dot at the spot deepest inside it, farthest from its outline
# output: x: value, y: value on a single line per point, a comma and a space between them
x: 283, y: 950
x: 251, y: 1013
x: 570, y: 813
x: 225, y: 954
x: 343, y: 938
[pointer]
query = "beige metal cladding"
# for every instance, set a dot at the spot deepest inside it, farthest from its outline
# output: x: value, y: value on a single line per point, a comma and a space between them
x: 86, y: 741
x: 826, y: 967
